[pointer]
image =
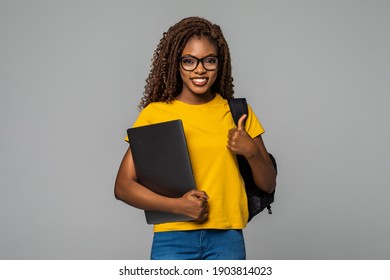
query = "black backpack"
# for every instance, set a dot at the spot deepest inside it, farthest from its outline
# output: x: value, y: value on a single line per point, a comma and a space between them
x: 258, y: 200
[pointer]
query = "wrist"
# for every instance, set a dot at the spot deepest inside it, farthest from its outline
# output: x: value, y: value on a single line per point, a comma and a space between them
x: 175, y: 205
x: 253, y: 152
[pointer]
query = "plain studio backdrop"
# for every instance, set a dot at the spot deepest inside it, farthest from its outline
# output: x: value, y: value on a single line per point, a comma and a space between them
x: 71, y: 77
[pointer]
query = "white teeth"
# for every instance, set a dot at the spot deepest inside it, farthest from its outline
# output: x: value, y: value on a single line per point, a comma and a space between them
x: 199, y: 80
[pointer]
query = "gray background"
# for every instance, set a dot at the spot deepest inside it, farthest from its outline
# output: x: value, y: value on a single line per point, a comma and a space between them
x: 72, y: 74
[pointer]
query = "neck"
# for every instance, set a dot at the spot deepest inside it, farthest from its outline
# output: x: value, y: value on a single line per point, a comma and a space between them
x: 195, y: 99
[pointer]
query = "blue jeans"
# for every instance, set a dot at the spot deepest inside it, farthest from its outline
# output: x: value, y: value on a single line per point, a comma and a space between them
x: 205, y: 244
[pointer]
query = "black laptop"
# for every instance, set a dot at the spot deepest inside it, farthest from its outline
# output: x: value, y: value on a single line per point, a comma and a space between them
x: 162, y: 164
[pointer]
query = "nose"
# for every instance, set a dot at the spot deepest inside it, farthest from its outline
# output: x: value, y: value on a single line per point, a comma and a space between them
x: 200, y: 68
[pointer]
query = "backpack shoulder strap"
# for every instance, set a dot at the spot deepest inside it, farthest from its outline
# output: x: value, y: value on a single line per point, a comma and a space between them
x: 238, y: 107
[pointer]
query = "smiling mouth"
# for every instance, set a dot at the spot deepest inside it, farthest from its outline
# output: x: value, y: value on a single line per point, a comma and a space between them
x: 199, y: 81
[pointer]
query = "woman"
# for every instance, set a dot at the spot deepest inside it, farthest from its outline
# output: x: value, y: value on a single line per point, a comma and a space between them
x: 190, y: 79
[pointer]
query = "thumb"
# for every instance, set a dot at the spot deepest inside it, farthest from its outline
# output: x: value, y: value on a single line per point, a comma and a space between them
x: 241, y: 122
x: 200, y: 194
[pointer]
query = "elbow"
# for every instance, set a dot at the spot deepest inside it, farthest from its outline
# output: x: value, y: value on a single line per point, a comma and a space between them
x: 272, y: 182
x: 271, y: 187
x: 268, y: 187
x: 117, y: 191
x: 123, y: 191
x: 116, y: 194
x: 267, y: 184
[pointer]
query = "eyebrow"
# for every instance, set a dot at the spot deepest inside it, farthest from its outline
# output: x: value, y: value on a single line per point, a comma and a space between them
x: 211, y: 54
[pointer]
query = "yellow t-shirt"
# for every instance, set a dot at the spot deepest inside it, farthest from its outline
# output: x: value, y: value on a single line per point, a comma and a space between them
x: 215, y: 168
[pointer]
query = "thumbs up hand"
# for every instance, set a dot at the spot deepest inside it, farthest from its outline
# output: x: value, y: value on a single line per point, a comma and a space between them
x: 240, y: 142
x: 241, y: 122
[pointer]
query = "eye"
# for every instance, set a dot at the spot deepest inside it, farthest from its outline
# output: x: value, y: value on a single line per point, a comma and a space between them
x: 211, y: 60
x: 188, y: 60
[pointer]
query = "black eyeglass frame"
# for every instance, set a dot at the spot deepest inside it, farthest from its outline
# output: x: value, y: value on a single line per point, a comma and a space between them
x: 197, y: 61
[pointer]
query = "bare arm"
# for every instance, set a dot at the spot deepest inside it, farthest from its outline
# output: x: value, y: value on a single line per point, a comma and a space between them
x: 127, y: 189
x: 239, y: 142
x: 264, y: 173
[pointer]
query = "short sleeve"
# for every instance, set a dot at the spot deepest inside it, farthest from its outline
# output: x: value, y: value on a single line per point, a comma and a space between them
x: 253, y: 126
x: 142, y: 119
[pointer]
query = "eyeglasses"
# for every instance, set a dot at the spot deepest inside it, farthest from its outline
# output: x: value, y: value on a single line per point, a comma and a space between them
x: 190, y: 63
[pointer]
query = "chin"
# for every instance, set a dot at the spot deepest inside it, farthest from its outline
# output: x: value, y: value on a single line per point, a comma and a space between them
x: 199, y: 91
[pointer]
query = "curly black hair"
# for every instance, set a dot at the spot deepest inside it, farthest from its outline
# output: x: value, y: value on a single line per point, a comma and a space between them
x: 164, y: 82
